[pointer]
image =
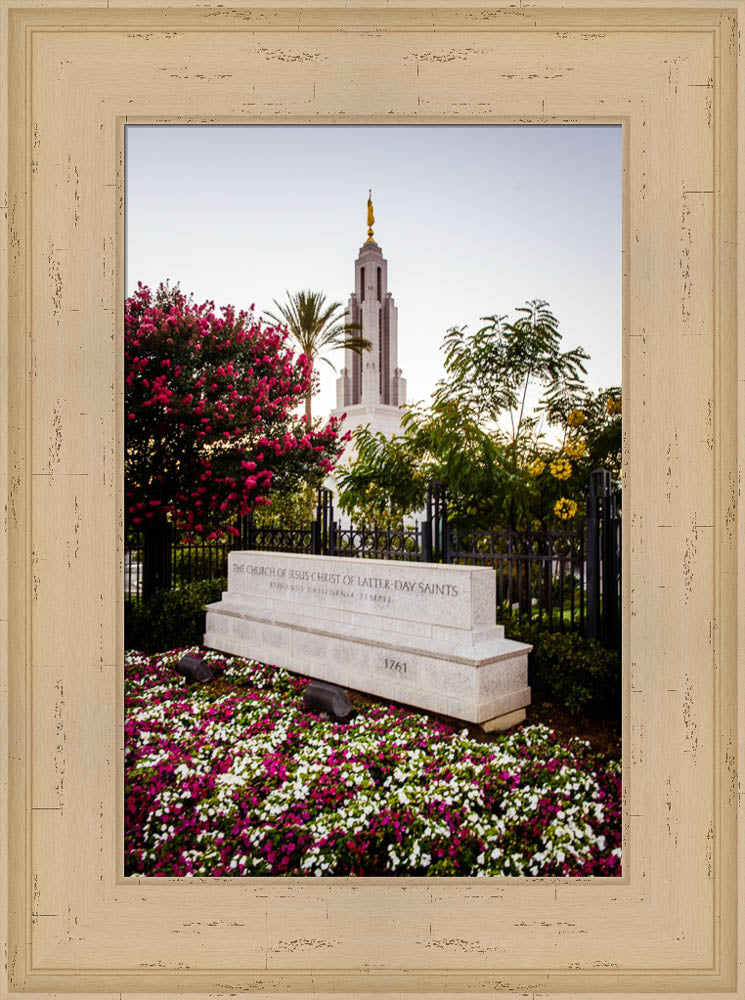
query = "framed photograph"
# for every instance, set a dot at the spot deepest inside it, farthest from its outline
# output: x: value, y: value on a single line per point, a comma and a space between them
x: 495, y: 493
x: 74, y: 77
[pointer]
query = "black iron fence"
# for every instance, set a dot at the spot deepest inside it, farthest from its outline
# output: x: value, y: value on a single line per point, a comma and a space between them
x: 603, y: 530
x: 557, y: 579
x: 376, y: 542
x: 540, y: 574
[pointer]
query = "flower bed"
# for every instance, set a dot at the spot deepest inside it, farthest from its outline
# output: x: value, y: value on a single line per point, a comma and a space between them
x: 236, y: 778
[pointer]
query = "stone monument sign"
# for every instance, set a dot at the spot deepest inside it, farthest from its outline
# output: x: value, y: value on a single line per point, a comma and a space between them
x: 422, y: 634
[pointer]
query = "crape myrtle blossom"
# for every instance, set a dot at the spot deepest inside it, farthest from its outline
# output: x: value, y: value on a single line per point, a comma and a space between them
x: 244, y: 781
x: 209, y: 398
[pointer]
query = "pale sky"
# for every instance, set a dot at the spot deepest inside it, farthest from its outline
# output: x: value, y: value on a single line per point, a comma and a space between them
x: 473, y: 220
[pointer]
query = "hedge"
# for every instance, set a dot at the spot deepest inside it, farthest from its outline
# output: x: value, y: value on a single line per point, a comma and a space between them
x: 567, y: 669
x: 170, y: 618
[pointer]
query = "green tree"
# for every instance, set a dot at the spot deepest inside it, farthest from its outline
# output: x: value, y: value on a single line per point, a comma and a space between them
x: 492, y: 372
x: 389, y: 476
x: 294, y: 509
x: 481, y: 439
x: 316, y: 327
x: 603, y: 429
x: 591, y: 439
x: 386, y: 481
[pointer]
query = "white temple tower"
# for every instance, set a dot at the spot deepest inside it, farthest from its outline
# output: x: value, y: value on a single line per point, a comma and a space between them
x: 370, y: 389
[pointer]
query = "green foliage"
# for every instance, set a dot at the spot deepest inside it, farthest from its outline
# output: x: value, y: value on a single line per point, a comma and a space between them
x: 389, y: 476
x: 491, y: 372
x: 592, y: 439
x: 387, y: 480
x: 479, y: 439
x: 567, y: 669
x: 170, y: 618
x: 296, y: 508
x: 603, y: 430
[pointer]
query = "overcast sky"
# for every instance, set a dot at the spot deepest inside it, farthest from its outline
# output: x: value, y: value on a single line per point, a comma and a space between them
x: 473, y: 220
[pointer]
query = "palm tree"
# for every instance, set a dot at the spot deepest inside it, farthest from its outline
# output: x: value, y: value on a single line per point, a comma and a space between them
x: 316, y: 327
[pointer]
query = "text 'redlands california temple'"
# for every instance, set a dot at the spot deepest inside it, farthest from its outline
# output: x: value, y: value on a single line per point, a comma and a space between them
x: 370, y: 389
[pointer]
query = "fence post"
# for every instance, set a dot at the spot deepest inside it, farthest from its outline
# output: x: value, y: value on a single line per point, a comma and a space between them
x: 610, y: 570
x: 592, y: 618
x: 548, y: 585
x: 426, y: 529
x: 320, y: 529
x: 329, y: 525
x: 425, y: 541
x: 444, y: 527
x: 248, y: 531
x: 603, y: 545
x: 525, y: 580
x: 435, y: 536
x: 435, y: 530
x: 582, y: 610
x: 156, y: 557
x: 315, y: 530
x: 614, y: 582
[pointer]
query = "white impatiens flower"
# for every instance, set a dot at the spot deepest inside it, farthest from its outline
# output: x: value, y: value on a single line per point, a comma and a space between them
x: 259, y: 773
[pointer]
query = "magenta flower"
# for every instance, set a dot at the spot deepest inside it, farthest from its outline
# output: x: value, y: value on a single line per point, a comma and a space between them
x: 249, y: 783
x: 184, y: 363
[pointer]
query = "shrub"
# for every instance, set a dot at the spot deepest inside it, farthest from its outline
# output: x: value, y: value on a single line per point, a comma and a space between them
x: 216, y: 393
x: 170, y: 618
x: 567, y: 669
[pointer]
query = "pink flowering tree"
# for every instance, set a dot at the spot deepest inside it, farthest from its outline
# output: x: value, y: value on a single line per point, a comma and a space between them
x: 209, y: 422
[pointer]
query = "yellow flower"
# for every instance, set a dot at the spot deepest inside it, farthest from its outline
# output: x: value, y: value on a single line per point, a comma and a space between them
x: 565, y: 508
x: 561, y: 468
x: 537, y: 467
x: 576, y: 418
x: 576, y: 448
x: 613, y: 406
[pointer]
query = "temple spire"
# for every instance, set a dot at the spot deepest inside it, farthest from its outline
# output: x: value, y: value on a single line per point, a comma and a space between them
x: 371, y: 388
x: 370, y: 218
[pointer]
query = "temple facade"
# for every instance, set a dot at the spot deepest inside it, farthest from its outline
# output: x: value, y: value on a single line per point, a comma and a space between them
x: 371, y: 389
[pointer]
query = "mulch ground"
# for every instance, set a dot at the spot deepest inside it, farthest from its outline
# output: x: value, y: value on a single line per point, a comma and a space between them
x: 603, y: 735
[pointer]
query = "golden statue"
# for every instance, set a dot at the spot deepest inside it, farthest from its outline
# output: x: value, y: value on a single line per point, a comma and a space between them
x: 370, y: 219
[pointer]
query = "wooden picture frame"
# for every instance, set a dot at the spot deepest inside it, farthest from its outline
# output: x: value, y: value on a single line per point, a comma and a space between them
x: 72, y: 75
